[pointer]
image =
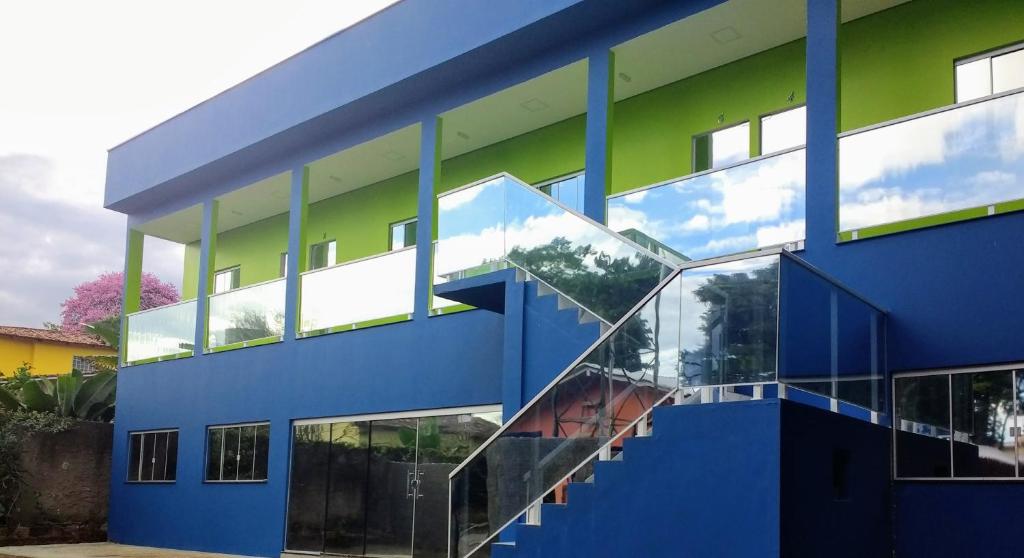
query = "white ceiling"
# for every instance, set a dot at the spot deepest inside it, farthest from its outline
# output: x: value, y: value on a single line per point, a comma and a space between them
x: 723, y: 34
x: 367, y: 163
x: 524, y: 107
x: 181, y: 226
x: 259, y: 200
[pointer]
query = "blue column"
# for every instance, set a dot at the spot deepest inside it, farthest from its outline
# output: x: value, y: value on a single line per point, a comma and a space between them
x: 822, y: 124
x: 512, y: 359
x: 207, y: 253
x: 430, y: 170
x: 600, y: 105
x: 298, y: 208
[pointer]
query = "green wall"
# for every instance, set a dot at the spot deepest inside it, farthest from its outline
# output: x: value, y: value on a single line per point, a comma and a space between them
x: 360, y: 220
x: 537, y: 156
x: 893, y: 63
x: 653, y: 131
x: 900, y: 61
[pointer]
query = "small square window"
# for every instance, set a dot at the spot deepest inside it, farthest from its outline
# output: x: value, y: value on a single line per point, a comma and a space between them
x: 783, y: 130
x: 323, y: 254
x: 567, y: 189
x: 403, y: 234
x: 237, y: 453
x: 721, y: 147
x: 153, y: 456
x: 283, y: 266
x: 226, y: 279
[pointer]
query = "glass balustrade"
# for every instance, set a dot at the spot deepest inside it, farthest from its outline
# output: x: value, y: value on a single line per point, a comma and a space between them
x: 248, y: 314
x: 503, y: 221
x: 722, y: 330
x: 374, y: 290
x: 168, y: 331
x: 755, y: 204
x: 961, y: 162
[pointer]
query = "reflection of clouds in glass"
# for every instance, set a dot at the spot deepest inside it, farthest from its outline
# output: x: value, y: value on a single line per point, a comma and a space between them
x: 635, y: 197
x: 462, y: 197
x: 750, y: 206
x: 966, y: 157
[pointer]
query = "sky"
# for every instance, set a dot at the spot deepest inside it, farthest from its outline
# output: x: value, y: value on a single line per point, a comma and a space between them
x: 80, y: 77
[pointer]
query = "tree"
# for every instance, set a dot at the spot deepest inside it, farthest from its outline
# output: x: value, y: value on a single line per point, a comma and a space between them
x: 100, y: 299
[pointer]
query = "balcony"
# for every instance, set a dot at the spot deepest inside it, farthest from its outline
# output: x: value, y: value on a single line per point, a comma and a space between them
x: 162, y: 333
x: 371, y: 291
x: 751, y: 205
x: 247, y: 316
x: 958, y: 162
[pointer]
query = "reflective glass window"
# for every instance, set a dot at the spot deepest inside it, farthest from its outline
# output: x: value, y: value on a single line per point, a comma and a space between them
x: 1008, y: 71
x: 721, y: 147
x: 922, y: 426
x: 973, y: 80
x: 153, y: 456
x: 403, y: 234
x: 568, y: 190
x: 226, y: 279
x: 783, y: 130
x: 237, y: 453
x: 323, y: 254
x: 983, y: 421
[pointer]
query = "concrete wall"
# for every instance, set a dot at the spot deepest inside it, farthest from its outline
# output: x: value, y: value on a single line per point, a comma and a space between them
x: 68, y: 487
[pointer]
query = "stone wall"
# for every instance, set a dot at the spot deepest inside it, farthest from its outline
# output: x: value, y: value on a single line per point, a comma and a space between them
x: 67, y: 490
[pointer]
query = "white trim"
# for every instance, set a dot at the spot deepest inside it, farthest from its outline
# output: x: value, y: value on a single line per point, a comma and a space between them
x: 147, y: 310
x: 420, y: 413
x: 358, y: 260
x: 959, y: 370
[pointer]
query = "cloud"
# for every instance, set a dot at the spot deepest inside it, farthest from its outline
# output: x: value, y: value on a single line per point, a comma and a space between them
x: 49, y: 246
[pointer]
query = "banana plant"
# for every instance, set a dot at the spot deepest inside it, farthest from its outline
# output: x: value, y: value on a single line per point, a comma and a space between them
x: 71, y: 395
x: 109, y: 330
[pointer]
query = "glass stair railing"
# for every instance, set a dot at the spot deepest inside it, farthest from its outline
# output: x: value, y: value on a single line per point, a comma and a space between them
x: 746, y: 327
x: 502, y: 221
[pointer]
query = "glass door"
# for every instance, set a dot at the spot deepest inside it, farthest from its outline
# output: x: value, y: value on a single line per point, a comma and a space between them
x: 378, y: 487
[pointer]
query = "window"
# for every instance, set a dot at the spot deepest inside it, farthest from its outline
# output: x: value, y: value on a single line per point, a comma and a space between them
x: 237, y: 453
x: 283, y: 267
x: 84, y: 364
x: 783, y: 130
x: 226, y: 279
x: 721, y: 147
x: 962, y: 425
x: 153, y: 456
x: 323, y: 254
x: 566, y: 189
x: 403, y: 234
x: 993, y: 73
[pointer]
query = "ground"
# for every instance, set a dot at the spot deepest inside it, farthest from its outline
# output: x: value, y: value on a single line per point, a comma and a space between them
x: 99, y: 550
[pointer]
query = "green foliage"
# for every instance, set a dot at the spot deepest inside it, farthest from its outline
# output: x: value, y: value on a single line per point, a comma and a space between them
x: 70, y: 395
x: 109, y: 330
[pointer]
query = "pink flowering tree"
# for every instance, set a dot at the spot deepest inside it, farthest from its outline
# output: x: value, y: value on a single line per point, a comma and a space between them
x: 100, y: 299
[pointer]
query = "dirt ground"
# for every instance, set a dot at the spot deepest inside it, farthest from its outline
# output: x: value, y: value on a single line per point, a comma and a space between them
x: 100, y: 550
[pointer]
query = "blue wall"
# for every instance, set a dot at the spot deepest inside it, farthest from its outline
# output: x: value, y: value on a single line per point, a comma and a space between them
x: 953, y: 520
x: 446, y: 361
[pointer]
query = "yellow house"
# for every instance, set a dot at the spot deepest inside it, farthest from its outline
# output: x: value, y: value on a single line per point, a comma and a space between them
x: 49, y: 352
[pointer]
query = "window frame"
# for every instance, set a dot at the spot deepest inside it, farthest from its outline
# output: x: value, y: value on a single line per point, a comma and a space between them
x: 391, y: 233
x: 236, y: 270
x: 760, y: 130
x: 1016, y: 372
x: 328, y: 263
x: 709, y: 133
x: 562, y: 178
x: 987, y: 54
x: 207, y: 453
x: 282, y: 271
x: 143, y: 434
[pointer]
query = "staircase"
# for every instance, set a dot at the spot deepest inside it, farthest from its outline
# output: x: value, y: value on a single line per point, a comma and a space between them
x: 668, y: 334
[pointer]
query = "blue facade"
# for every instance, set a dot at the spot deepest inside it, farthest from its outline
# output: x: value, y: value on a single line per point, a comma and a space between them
x: 950, y: 293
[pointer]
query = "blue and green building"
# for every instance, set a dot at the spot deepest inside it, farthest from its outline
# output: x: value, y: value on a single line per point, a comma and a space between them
x: 585, y: 278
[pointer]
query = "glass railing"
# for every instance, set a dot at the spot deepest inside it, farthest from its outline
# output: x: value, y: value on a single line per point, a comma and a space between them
x: 709, y: 332
x: 167, y: 331
x: 959, y: 162
x: 242, y: 316
x: 750, y: 205
x: 504, y: 220
x: 378, y: 289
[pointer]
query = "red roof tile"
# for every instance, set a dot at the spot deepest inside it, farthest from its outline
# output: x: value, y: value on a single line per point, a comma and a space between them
x: 50, y: 335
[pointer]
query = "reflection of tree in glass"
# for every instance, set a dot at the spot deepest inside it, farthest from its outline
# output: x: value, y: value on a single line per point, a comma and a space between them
x: 607, y: 286
x: 740, y: 326
x: 252, y: 323
x: 985, y: 402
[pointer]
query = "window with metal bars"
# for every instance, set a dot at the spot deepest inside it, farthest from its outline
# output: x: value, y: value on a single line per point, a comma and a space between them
x: 237, y: 453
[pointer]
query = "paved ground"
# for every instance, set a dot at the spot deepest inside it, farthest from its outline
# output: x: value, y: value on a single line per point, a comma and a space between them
x: 99, y: 550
